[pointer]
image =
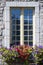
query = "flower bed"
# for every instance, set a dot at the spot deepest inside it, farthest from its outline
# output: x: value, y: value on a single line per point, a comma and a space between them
x: 22, y: 55
x: 17, y: 54
x: 39, y: 55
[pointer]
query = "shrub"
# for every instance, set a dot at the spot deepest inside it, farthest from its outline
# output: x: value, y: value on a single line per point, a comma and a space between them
x: 17, y: 54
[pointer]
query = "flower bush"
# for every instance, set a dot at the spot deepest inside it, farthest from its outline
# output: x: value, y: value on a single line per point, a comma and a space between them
x: 39, y: 55
x: 23, y: 54
x: 17, y: 54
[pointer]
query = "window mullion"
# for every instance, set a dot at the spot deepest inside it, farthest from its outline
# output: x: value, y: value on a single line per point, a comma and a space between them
x: 22, y: 27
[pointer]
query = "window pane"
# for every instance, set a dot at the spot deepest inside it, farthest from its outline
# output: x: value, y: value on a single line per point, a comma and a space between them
x: 30, y: 32
x: 15, y: 13
x: 13, y: 27
x: 17, y: 21
x: 17, y: 37
x: 31, y: 12
x: 13, y: 37
x: 25, y: 37
x: 30, y: 21
x: 25, y: 13
x: 26, y: 21
x: 30, y: 17
x: 30, y: 27
x: 13, y: 21
x: 17, y: 27
x: 31, y: 43
x: 26, y: 28
x: 30, y: 37
x: 17, y: 32
x: 12, y: 16
x: 25, y: 32
x: 13, y: 32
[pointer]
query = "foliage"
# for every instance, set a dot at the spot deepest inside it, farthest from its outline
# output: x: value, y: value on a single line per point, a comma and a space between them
x: 22, y: 54
x: 17, y: 54
x: 39, y: 55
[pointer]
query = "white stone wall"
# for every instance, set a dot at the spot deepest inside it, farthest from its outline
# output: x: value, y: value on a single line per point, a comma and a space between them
x: 37, y: 25
x: 41, y: 23
x: 6, y: 32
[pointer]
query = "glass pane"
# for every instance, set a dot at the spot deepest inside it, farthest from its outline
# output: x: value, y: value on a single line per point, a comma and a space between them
x: 12, y: 16
x: 13, y: 32
x: 17, y: 37
x: 13, y: 21
x: 25, y: 37
x: 25, y: 13
x: 30, y: 27
x: 25, y: 32
x: 13, y: 37
x: 30, y: 17
x: 30, y: 37
x: 17, y: 32
x: 30, y: 22
x: 17, y: 27
x: 26, y: 21
x: 15, y: 13
x: 31, y: 43
x: 17, y: 21
x: 30, y: 32
x: 31, y: 12
x: 13, y: 27
x: 26, y: 28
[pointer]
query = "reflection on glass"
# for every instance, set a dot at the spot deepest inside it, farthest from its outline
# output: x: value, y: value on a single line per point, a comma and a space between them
x: 16, y: 13
x: 30, y: 21
x: 31, y: 12
x: 26, y: 14
x: 30, y: 17
x: 26, y: 21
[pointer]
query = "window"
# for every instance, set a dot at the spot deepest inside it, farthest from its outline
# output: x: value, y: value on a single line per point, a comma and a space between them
x: 27, y: 25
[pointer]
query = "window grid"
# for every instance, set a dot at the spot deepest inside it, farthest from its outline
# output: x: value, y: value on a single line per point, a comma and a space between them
x: 15, y: 23
x: 28, y: 21
x: 28, y: 31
